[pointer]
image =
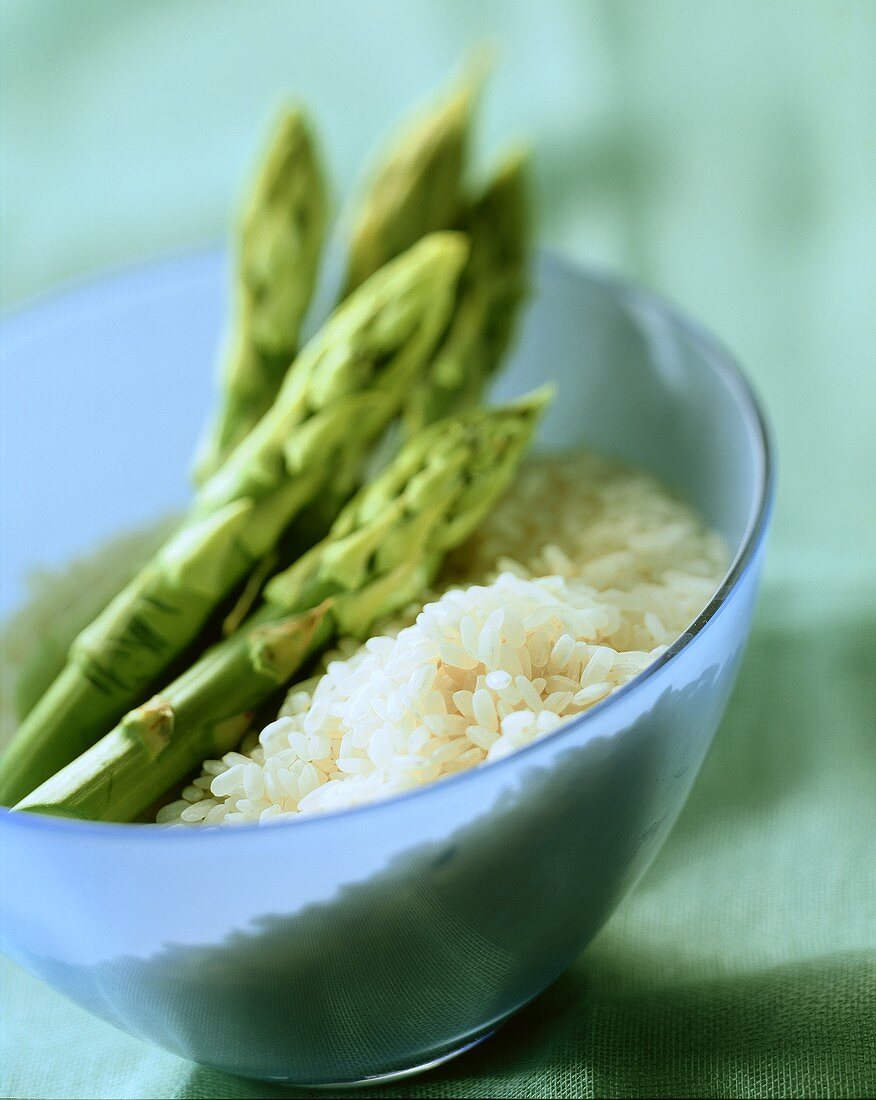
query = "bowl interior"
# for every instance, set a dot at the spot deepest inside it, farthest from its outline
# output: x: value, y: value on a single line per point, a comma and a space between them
x: 637, y: 381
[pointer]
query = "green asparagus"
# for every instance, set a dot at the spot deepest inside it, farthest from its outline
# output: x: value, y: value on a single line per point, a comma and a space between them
x: 280, y: 239
x: 385, y: 546
x: 343, y: 389
x: 489, y: 295
x: 417, y: 187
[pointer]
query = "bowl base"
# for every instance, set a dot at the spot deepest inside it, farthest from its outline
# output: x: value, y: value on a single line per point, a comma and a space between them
x: 396, y: 1074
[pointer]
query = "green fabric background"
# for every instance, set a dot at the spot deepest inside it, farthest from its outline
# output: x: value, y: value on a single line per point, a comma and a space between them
x: 723, y: 153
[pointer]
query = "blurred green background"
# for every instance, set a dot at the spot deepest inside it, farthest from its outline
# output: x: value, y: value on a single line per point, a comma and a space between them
x: 723, y: 153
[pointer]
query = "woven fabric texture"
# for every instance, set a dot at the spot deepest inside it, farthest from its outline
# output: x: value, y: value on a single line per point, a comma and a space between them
x: 722, y: 153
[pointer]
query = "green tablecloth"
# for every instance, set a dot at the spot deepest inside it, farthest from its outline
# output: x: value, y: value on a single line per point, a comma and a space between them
x: 744, y: 964
x: 723, y: 153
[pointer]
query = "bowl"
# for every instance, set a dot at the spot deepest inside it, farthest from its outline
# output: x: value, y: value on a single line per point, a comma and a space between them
x: 374, y: 942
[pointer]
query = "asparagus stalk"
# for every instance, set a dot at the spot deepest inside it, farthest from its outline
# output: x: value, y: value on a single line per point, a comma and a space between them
x: 343, y: 389
x: 279, y: 243
x: 385, y: 546
x: 416, y: 189
x: 489, y: 295
x: 417, y: 186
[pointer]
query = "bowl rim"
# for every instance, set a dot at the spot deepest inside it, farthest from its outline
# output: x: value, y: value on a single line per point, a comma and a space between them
x: 721, y: 361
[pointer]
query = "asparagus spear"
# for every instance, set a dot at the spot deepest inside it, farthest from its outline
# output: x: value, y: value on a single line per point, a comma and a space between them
x: 280, y: 238
x: 343, y: 389
x: 489, y: 295
x: 385, y: 546
x: 417, y: 186
x: 279, y: 243
x: 417, y: 189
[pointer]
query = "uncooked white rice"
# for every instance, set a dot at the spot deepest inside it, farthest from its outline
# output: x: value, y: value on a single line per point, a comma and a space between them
x: 583, y: 575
